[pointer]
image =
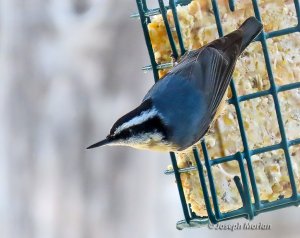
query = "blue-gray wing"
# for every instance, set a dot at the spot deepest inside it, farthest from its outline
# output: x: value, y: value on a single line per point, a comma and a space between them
x: 209, y: 71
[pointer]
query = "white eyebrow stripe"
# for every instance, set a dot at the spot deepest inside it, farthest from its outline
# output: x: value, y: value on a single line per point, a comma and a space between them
x: 145, y: 115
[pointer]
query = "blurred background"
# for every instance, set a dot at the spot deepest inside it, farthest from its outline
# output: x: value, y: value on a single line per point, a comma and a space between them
x: 68, y: 70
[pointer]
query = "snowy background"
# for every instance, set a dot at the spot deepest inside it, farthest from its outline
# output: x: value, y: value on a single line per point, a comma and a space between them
x: 68, y: 70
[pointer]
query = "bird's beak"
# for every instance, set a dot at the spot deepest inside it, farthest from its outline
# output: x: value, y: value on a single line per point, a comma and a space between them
x: 100, y: 143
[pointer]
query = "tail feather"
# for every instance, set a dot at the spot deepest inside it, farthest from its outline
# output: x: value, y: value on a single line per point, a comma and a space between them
x: 239, y: 38
x: 250, y: 28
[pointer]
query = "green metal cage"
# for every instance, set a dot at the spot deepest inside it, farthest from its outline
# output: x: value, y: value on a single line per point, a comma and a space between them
x: 249, y: 208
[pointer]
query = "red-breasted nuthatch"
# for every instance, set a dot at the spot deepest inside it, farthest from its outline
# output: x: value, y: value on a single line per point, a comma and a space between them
x: 178, y: 110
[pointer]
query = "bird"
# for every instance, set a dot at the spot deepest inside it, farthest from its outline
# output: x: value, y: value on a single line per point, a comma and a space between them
x: 179, y: 108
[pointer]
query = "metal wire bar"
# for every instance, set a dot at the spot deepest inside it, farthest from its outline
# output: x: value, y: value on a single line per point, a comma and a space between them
x: 168, y: 29
x: 231, y: 5
x: 239, y: 117
x: 248, y: 210
x: 232, y: 157
x: 276, y: 102
x: 211, y: 181
x: 180, y: 189
x: 210, y: 213
x: 177, y: 26
x: 156, y: 11
x: 142, y: 7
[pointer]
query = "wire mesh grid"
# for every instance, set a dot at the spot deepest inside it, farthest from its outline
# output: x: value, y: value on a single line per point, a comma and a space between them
x: 249, y: 208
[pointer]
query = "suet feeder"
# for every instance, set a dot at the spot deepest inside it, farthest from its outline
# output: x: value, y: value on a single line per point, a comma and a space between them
x: 246, y: 183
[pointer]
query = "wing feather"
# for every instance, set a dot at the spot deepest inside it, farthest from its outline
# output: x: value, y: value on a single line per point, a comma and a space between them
x: 210, y: 71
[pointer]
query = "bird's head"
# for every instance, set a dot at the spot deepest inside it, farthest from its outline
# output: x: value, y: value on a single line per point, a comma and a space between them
x: 142, y: 128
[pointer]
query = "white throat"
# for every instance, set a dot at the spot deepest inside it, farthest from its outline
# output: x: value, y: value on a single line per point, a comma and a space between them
x: 148, y: 141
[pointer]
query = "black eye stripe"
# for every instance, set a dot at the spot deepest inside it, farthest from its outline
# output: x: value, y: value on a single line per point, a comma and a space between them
x: 152, y: 125
x: 145, y: 106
